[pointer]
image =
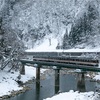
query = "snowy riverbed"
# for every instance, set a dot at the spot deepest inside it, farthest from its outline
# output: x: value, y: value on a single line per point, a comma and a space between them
x: 8, y: 80
x: 71, y: 95
x: 8, y: 84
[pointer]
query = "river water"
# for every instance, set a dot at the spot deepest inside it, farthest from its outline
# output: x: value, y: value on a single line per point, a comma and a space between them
x: 47, y: 87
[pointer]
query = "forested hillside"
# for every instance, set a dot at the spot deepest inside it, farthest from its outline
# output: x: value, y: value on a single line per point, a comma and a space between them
x: 85, y: 31
x: 25, y: 23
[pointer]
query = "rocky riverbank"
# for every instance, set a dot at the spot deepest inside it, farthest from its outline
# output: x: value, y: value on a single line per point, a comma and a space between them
x: 9, y: 84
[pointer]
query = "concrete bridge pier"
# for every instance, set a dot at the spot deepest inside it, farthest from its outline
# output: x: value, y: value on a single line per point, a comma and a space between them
x: 37, y: 80
x: 37, y: 66
x: 81, y: 82
x: 57, y: 80
x: 22, y: 69
x: 38, y: 73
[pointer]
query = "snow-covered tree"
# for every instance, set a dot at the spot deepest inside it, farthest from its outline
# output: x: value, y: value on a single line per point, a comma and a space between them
x: 85, y: 27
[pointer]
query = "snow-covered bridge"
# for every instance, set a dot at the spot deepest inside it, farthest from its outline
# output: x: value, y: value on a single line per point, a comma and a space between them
x: 85, y: 61
x: 88, y: 61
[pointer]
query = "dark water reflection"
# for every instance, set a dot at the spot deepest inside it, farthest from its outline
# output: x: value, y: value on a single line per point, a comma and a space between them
x: 47, y: 87
x: 81, y: 83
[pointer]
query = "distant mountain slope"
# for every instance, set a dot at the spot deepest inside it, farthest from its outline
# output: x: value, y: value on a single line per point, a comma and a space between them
x: 85, y: 31
x: 75, y: 23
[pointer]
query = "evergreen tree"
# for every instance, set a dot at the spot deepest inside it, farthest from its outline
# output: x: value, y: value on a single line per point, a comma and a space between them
x: 85, y: 27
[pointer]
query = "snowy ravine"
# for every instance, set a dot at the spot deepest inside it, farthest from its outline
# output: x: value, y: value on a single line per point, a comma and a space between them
x: 8, y: 82
x: 71, y: 95
x: 8, y: 79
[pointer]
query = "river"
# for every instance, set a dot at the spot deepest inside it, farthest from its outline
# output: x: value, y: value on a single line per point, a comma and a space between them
x: 47, y: 87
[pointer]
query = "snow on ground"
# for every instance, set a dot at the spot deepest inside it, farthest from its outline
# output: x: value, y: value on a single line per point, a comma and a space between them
x: 8, y: 80
x: 40, y: 49
x: 49, y: 45
x: 71, y: 95
x: 7, y: 83
x: 97, y: 77
x: 30, y: 73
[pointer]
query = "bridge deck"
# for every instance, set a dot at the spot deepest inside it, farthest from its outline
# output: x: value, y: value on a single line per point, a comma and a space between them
x: 74, y: 60
x: 91, y: 66
x: 88, y: 62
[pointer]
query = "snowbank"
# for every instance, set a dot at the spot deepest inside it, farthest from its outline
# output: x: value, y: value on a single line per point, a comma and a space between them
x: 8, y: 82
x: 71, y: 95
x: 55, y: 50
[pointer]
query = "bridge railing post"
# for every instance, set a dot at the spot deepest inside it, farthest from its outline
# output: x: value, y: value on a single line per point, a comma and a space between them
x: 22, y: 69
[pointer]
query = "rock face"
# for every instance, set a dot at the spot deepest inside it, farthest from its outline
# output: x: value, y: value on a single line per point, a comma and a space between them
x: 32, y: 20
